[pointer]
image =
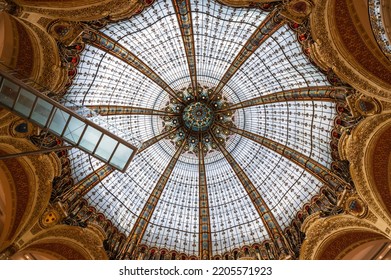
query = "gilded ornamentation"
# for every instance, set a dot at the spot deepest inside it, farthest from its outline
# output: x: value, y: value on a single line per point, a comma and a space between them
x: 115, y: 10
x: 21, y: 129
x: 371, y: 217
x: 309, y: 221
x: 65, y: 32
x: 41, y: 173
x: 6, y: 118
x: 24, y: 40
x: 73, y: 236
x: 378, y: 27
x: 348, y: 242
x: 356, y: 206
x: 322, y: 229
x: 361, y: 105
x: 98, y: 230
x: 36, y: 228
x: 325, y: 53
x: 297, y: 10
x: 51, y: 76
x: 3, y: 5
x: 44, y: 21
x: 264, y: 4
x: 50, y: 218
x: 357, y: 146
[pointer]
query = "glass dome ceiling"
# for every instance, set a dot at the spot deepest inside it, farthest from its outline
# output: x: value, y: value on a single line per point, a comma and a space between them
x: 238, y: 189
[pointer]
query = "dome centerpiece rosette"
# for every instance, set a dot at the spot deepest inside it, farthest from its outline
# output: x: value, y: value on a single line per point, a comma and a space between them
x: 198, y: 116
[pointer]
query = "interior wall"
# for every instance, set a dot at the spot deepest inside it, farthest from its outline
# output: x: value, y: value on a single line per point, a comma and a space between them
x: 30, y: 53
x: 373, y: 250
x: 7, y: 212
x: 378, y: 166
x: 58, y: 4
x: 386, y: 6
x: 78, y: 10
x: 344, y: 42
x: 3, y: 185
x: 16, y: 46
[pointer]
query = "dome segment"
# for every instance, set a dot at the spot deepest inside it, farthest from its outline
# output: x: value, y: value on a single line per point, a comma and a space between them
x: 149, y: 68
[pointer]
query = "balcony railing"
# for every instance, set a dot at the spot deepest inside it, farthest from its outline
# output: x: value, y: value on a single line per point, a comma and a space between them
x: 378, y: 27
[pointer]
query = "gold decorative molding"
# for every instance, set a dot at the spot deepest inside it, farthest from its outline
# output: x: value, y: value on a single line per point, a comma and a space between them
x: 29, y: 127
x: 98, y: 230
x: 245, y: 3
x: 355, y: 206
x: 65, y: 32
x: 83, y: 11
x: 82, y: 240
x: 297, y: 10
x: 41, y: 173
x: 49, y: 218
x: 324, y: 232
x: 49, y: 76
x: 359, y: 148
x: 6, y: 118
x: 328, y: 55
x: 371, y: 217
x: 309, y: 221
x: 362, y: 105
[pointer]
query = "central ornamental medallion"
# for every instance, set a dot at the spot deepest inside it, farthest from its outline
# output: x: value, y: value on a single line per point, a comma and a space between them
x: 197, y: 117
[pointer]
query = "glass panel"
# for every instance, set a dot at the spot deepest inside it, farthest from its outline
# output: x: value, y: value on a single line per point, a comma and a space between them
x: 220, y: 32
x: 121, y: 156
x: 58, y: 122
x: 74, y: 130
x: 41, y: 112
x: 106, y: 147
x: 8, y: 93
x: 25, y: 102
x: 90, y: 138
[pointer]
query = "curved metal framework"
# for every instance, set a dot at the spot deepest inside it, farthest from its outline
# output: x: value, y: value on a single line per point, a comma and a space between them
x: 243, y: 193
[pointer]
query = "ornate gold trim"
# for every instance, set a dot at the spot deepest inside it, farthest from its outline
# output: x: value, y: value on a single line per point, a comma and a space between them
x: 321, y: 231
x: 84, y: 240
x: 358, y: 150
x: 327, y: 54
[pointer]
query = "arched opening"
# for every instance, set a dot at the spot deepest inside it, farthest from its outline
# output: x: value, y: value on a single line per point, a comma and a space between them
x: 33, y: 255
x: 373, y: 250
x: 4, y: 187
x: 378, y: 166
x: 12, y: 204
x: 335, y: 237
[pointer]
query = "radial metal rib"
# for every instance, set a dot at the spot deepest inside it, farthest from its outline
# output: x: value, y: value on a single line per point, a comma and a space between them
x: 271, y: 24
x: 145, y: 215
x: 268, y: 219
x: 205, y: 241
x: 183, y: 12
x: 126, y: 110
x: 301, y: 94
x: 317, y: 170
x: 108, y: 45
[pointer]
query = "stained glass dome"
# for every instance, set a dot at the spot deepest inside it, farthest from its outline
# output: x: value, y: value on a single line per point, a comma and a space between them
x: 231, y: 113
